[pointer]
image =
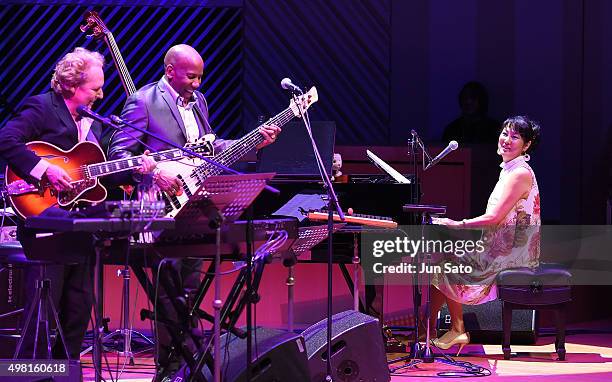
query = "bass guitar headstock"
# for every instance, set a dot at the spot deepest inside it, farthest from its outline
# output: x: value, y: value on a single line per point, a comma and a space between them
x: 94, y: 25
x: 304, y: 101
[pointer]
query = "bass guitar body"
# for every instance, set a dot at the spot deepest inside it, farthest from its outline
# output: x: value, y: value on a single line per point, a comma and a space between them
x: 31, y: 199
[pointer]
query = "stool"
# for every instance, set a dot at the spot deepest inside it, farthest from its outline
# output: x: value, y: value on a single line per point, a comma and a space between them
x: 544, y: 287
x: 42, y: 304
x: 8, y: 249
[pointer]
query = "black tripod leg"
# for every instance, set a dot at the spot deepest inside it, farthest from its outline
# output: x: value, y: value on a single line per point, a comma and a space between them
x: 38, y: 318
x: 415, y: 349
x: 57, y: 324
x: 238, y: 285
x: 28, y: 320
x: 229, y: 315
x: 228, y: 304
x: 235, y: 314
x: 203, y: 288
x: 45, y: 314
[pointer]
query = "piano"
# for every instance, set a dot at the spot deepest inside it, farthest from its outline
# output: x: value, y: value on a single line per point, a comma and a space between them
x: 365, y: 194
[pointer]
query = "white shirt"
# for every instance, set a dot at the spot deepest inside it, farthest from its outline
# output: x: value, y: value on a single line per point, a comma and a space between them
x: 83, y: 127
x: 187, y: 113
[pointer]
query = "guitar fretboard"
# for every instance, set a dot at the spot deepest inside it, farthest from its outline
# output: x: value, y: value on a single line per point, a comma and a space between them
x: 118, y: 165
x: 124, y: 74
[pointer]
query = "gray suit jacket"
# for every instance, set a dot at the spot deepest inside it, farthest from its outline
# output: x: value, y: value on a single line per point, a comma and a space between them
x: 153, y: 109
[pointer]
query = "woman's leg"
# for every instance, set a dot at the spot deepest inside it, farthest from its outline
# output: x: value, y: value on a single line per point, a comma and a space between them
x: 436, y: 300
x: 456, y: 312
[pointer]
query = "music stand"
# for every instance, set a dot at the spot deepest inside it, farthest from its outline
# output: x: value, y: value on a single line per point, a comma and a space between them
x: 219, y: 200
x: 228, y: 195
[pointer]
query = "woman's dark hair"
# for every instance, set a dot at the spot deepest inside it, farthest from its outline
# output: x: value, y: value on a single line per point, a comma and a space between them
x: 527, y: 128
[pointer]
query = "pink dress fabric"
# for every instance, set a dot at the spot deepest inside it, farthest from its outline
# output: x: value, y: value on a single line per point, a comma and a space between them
x: 513, y: 243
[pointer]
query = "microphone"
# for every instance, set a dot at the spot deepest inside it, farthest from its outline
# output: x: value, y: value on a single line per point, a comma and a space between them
x: 288, y: 85
x: 116, y: 120
x: 452, y: 145
x: 84, y: 111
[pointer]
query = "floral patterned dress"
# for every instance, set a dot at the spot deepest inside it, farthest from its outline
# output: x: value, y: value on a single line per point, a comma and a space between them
x: 515, y: 242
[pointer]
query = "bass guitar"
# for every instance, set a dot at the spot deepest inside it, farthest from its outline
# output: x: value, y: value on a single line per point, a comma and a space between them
x: 193, y: 177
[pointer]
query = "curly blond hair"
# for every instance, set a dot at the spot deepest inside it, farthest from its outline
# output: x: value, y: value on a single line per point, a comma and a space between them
x: 70, y: 71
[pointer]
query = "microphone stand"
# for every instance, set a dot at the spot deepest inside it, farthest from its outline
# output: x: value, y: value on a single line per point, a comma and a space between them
x: 332, y: 205
x: 416, y: 350
x: 425, y: 355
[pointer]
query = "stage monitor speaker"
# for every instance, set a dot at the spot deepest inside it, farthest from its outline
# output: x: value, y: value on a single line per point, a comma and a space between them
x: 278, y: 355
x: 484, y: 323
x: 358, y: 353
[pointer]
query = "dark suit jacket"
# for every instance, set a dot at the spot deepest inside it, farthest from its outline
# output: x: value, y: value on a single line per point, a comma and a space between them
x: 43, y: 117
x: 153, y: 109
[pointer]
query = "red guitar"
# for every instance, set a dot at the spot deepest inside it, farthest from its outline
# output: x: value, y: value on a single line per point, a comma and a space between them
x: 84, y: 163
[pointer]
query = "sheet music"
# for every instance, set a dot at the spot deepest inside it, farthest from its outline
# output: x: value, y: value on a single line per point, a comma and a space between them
x: 302, y: 201
x: 399, y: 178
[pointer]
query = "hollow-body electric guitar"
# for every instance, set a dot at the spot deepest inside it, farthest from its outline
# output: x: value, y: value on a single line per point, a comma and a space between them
x: 84, y: 163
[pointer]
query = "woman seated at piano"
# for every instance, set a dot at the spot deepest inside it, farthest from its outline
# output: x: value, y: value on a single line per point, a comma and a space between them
x: 510, y: 233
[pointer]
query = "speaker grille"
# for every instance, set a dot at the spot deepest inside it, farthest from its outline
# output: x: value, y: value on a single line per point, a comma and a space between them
x: 278, y: 355
x: 357, y: 349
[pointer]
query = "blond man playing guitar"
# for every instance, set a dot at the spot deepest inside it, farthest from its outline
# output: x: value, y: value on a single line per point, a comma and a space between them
x: 52, y: 117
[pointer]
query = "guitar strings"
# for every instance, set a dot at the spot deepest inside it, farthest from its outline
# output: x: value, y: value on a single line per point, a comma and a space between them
x: 125, y: 74
x: 192, y: 180
x: 98, y: 168
x: 197, y: 175
x: 228, y: 156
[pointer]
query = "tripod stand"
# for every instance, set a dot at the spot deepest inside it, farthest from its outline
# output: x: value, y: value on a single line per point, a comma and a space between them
x: 125, y: 335
x: 42, y: 303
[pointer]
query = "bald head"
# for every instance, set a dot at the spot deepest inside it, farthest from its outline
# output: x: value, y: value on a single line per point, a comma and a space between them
x: 181, y: 53
x: 184, y: 68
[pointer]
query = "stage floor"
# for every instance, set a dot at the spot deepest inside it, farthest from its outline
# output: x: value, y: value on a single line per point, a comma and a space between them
x: 588, y: 358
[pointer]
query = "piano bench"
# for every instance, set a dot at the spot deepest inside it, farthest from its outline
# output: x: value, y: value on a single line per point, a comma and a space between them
x: 546, y: 287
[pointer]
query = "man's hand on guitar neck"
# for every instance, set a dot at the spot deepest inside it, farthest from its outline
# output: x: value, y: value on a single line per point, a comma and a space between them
x: 58, y: 178
x: 269, y: 133
x: 167, y: 182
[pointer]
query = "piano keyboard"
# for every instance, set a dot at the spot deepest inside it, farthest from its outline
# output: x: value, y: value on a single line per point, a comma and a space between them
x: 369, y: 220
